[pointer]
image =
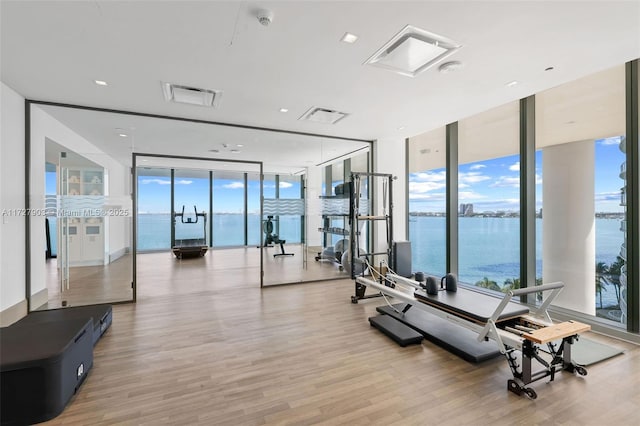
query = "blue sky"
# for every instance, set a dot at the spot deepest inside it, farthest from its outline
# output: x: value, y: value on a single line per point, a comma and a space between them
x: 154, y: 194
x: 493, y: 185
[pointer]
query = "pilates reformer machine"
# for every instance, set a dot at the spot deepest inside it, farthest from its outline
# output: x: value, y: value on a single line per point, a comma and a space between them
x: 517, y: 331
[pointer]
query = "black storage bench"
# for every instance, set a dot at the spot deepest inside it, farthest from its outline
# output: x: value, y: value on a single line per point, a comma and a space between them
x: 42, y: 365
x: 101, y: 315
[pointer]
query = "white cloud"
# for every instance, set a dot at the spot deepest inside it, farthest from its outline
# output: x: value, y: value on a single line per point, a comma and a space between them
x: 472, y: 177
x: 157, y: 181
x: 424, y: 187
x: 477, y: 167
x: 428, y: 177
x: 608, y: 196
x: 506, y: 182
x: 610, y: 141
x: 286, y: 184
x: 436, y: 196
x: 234, y: 185
x: 515, y: 167
x: 538, y: 179
x: 165, y: 181
x: 469, y: 195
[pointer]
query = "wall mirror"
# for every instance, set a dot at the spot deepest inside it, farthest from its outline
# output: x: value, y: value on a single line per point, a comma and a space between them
x: 112, y: 186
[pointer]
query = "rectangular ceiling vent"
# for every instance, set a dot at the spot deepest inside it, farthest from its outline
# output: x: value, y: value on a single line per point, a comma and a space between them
x: 413, y: 51
x: 323, y: 115
x: 191, y: 95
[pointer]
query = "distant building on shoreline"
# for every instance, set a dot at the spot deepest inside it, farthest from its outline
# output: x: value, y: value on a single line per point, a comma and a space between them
x: 466, y: 209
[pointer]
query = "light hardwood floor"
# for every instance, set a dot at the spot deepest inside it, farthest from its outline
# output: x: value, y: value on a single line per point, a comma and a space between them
x: 221, y: 352
x: 112, y: 283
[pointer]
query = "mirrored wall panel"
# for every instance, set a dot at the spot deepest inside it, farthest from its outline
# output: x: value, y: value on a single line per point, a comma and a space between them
x: 250, y: 197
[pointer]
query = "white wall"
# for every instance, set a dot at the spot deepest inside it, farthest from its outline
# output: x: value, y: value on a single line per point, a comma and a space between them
x: 12, y: 190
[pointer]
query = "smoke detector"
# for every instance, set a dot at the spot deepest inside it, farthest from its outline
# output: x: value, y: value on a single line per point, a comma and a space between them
x: 265, y: 17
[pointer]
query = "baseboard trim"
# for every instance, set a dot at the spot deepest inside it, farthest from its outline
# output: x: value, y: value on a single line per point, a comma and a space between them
x: 13, y: 313
x: 118, y: 254
x: 40, y: 298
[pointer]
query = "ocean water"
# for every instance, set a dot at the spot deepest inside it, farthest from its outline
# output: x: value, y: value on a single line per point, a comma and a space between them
x: 154, y: 230
x: 489, y: 247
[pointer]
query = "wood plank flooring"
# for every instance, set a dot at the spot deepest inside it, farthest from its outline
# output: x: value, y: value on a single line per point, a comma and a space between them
x: 112, y: 283
x: 223, y: 352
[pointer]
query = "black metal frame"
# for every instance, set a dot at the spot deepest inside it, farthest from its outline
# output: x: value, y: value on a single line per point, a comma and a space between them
x: 354, y: 243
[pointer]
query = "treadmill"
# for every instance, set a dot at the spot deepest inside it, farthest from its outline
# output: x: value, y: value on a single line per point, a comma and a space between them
x: 189, y: 247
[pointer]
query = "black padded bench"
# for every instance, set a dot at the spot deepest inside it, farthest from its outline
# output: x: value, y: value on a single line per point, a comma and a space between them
x: 101, y: 315
x: 41, y: 367
x: 44, y: 358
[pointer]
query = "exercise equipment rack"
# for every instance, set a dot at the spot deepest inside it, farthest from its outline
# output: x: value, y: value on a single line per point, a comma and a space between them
x: 358, y: 216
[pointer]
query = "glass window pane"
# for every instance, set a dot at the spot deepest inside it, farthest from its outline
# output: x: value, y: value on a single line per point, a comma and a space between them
x: 154, y: 209
x: 489, y: 197
x: 427, y: 202
x: 290, y: 225
x: 580, y: 138
x: 228, y: 209
x: 191, y: 199
x: 254, y: 227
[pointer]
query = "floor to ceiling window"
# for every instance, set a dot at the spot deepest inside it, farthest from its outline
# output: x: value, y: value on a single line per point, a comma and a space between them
x: 228, y: 209
x: 489, y: 198
x: 154, y: 209
x: 190, y: 200
x: 290, y: 225
x: 427, y: 202
x: 255, y: 233
x: 580, y: 137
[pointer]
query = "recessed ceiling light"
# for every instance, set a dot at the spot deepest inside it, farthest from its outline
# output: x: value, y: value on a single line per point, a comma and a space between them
x: 239, y: 145
x: 349, y: 38
x: 512, y: 83
x: 122, y: 135
x: 101, y: 82
x: 401, y: 128
x: 235, y: 151
x: 284, y: 110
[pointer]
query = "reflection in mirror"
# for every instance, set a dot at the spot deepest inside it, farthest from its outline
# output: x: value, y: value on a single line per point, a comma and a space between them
x: 86, y: 221
x: 217, y: 168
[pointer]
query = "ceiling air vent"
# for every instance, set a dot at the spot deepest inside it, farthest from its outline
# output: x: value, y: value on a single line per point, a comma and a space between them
x: 323, y: 115
x: 412, y: 51
x: 191, y: 95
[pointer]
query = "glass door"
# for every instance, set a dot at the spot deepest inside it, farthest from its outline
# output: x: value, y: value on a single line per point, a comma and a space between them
x: 87, y: 227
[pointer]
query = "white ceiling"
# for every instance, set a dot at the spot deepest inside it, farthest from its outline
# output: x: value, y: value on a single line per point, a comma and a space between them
x: 54, y: 50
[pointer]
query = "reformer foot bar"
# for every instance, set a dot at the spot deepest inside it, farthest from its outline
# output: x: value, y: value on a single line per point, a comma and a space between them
x: 513, y: 328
